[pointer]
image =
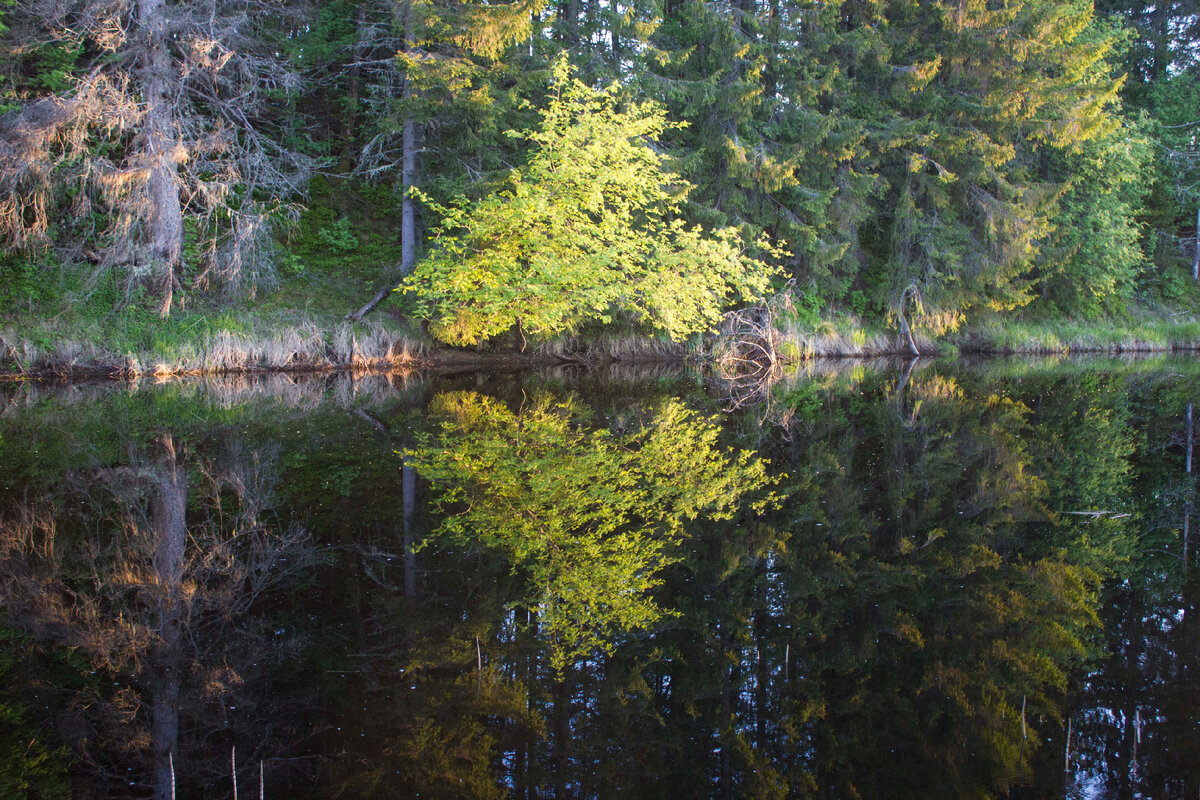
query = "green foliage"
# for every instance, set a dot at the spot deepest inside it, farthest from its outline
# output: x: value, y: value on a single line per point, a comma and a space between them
x: 292, y: 265
x: 338, y: 237
x: 349, y: 230
x: 585, y: 230
x: 588, y: 516
x: 941, y: 165
x: 1093, y: 260
x: 23, y: 283
x: 34, y: 68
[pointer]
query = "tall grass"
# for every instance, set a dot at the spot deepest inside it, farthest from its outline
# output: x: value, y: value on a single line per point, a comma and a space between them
x: 277, y: 346
x: 843, y: 337
x: 1070, y: 336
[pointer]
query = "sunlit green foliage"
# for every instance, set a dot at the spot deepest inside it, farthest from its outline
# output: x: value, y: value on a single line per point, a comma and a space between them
x: 584, y: 231
x: 588, y: 516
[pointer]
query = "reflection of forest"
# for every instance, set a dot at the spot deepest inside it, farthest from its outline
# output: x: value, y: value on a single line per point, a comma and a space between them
x: 147, y: 572
x: 540, y: 591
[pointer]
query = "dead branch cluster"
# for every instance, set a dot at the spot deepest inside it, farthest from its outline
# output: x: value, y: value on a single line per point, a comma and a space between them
x: 91, y: 148
x: 747, y: 352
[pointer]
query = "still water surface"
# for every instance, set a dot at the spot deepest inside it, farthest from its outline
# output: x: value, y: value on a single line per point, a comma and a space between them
x: 871, y: 580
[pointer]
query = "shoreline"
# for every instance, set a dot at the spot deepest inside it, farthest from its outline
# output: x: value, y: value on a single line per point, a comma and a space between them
x: 216, y: 342
x: 400, y: 355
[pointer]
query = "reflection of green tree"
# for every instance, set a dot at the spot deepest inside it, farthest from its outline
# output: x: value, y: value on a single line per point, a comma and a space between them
x: 900, y: 609
x: 433, y: 739
x: 1135, y: 734
x: 913, y: 595
x: 588, y: 516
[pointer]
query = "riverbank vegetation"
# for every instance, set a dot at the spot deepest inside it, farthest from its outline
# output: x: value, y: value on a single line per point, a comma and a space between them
x: 902, y: 177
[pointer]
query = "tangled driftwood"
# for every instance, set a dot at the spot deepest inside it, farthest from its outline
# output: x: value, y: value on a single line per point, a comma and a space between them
x: 747, y: 352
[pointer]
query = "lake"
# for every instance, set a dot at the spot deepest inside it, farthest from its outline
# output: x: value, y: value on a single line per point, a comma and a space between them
x: 863, y: 579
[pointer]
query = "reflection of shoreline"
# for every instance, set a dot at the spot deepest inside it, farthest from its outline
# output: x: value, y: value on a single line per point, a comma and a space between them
x: 300, y: 388
x: 309, y: 389
x: 292, y: 390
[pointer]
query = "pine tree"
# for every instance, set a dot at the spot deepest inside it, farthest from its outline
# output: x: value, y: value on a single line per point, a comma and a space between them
x: 445, y: 52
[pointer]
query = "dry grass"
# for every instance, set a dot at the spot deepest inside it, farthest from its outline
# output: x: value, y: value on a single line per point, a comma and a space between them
x: 627, y: 347
x: 301, y: 346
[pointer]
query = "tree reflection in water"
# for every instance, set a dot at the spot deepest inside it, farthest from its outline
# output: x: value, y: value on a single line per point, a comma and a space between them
x: 150, y: 570
x: 890, y: 582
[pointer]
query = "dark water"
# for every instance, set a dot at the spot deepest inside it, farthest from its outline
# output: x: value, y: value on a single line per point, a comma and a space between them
x: 870, y: 580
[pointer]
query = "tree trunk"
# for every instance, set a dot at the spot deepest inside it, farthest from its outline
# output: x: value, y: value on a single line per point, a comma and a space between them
x: 568, y: 15
x: 350, y: 124
x: 771, y: 71
x: 164, y: 222
x: 408, y: 171
x: 748, y: 9
x: 1196, y: 255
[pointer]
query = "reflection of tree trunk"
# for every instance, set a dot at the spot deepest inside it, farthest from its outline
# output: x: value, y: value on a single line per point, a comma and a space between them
x: 165, y: 222
x: 760, y: 676
x: 169, y: 522
x: 1180, y: 708
x: 520, y: 753
x: 408, y: 483
x: 529, y: 767
x: 1132, y: 679
x: 1189, y: 433
x: 562, y: 736
x: 728, y: 702
x: 408, y: 490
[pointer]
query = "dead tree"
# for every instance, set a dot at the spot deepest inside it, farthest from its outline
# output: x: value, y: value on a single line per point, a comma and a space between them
x: 166, y: 128
x: 747, y: 353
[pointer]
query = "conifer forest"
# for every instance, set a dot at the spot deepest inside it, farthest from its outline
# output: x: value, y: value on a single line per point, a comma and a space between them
x: 975, y: 173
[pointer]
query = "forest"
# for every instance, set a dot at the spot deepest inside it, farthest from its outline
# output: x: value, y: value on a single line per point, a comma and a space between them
x: 178, y: 178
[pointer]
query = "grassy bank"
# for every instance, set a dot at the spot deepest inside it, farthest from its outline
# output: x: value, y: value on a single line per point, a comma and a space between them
x: 1142, y: 330
x: 133, y: 342
x: 300, y: 326
x: 1144, y: 333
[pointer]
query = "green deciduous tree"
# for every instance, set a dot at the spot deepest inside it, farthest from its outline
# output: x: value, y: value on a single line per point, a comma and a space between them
x: 587, y: 229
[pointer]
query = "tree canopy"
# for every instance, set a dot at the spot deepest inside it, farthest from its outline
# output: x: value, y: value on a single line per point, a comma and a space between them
x: 548, y: 169
x: 587, y: 229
